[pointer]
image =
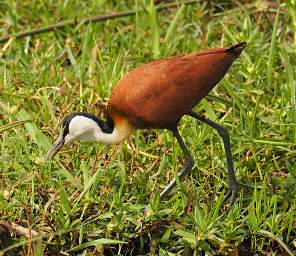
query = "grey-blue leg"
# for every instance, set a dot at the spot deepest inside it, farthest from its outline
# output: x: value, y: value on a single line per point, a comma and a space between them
x: 188, y: 164
x: 234, y: 185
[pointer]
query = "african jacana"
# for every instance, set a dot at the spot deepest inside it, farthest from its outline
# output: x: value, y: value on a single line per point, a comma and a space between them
x: 157, y: 95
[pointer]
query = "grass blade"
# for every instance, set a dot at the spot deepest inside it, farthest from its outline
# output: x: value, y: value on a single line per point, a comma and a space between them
x: 290, y: 90
x: 154, y: 30
x: 70, y: 177
x: 35, y: 134
x: 292, y: 9
x: 276, y: 238
x: 101, y: 241
x: 272, y: 51
x: 173, y: 24
x: 6, y: 127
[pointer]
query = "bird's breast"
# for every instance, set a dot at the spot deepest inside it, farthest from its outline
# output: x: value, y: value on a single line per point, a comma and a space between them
x: 123, y: 128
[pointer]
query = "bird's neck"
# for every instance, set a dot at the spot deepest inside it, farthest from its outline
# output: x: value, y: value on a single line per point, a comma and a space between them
x: 115, y: 128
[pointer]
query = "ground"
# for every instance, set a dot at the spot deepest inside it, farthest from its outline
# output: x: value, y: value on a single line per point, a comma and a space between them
x: 98, y: 200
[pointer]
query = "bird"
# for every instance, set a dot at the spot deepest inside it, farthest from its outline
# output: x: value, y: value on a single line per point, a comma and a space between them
x: 157, y: 95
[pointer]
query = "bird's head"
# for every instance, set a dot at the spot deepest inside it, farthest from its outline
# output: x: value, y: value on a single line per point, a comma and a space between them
x: 81, y: 126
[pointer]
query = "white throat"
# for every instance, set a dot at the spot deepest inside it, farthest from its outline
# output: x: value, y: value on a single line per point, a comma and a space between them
x: 85, y: 129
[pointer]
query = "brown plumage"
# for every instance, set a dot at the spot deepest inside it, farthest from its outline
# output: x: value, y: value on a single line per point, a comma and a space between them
x: 159, y: 93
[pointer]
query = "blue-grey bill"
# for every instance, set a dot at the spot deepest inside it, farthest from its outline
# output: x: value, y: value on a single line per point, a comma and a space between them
x: 57, y: 145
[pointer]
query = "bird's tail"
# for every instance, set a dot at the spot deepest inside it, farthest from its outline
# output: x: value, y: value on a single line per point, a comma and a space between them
x: 237, y: 49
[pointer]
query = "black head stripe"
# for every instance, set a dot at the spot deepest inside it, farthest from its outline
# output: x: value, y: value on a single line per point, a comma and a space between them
x: 66, y: 123
x: 107, y: 125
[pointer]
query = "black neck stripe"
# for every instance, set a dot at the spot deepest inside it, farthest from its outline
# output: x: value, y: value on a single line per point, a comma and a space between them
x: 106, y: 125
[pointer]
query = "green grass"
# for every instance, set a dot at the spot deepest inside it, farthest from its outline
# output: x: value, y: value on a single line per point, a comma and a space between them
x: 90, y: 198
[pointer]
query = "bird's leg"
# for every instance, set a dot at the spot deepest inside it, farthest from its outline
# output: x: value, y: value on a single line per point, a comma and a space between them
x: 188, y: 164
x: 234, y: 185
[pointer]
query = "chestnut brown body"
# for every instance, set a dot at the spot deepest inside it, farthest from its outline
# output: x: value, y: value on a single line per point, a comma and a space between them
x: 159, y: 93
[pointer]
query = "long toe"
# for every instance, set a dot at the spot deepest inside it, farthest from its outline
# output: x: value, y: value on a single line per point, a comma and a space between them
x: 231, y: 194
x: 233, y: 197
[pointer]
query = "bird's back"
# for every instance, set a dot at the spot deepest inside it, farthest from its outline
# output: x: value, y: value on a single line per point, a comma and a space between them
x: 159, y: 93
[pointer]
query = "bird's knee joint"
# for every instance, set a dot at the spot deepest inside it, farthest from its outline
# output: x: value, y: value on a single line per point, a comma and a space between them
x: 234, y: 186
x: 223, y: 132
x: 189, y: 160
